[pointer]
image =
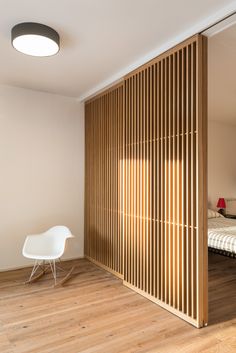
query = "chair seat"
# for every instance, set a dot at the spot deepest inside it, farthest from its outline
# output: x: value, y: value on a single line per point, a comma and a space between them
x: 40, y: 257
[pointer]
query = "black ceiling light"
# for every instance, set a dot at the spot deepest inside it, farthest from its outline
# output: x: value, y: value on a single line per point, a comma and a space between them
x: 35, y: 39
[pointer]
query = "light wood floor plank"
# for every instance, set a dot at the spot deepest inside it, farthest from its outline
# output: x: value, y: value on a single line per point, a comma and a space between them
x: 95, y: 313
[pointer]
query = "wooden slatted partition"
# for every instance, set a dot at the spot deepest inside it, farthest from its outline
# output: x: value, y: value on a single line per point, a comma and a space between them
x: 145, y: 180
x: 103, y: 174
x: 164, y: 181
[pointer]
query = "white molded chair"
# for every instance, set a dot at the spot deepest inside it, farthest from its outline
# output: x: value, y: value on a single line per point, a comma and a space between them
x: 46, y: 248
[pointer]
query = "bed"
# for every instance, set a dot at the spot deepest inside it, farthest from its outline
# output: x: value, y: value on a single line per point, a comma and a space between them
x: 221, y: 234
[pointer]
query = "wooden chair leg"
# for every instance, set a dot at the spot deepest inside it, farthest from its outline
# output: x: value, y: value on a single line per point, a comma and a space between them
x: 34, y: 277
x: 64, y: 279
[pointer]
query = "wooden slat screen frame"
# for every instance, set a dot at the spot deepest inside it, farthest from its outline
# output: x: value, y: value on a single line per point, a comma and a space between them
x: 159, y: 168
x: 103, y: 171
x: 165, y: 240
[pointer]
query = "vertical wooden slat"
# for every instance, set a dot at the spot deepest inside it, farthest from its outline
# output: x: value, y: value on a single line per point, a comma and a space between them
x: 193, y: 174
x: 188, y: 183
x: 140, y: 142
x: 183, y: 203
x: 157, y: 178
x: 134, y: 158
x: 165, y: 200
x: 126, y: 163
x: 147, y: 183
x: 144, y: 181
x: 154, y: 186
x: 162, y: 184
x: 179, y: 307
x: 174, y: 181
x: 201, y: 187
x: 131, y: 183
x: 170, y: 186
x: 150, y: 172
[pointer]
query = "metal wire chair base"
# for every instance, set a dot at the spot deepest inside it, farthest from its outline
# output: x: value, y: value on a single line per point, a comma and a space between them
x: 44, y: 266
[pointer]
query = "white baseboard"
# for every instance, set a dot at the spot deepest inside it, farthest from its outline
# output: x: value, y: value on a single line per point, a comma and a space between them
x: 31, y: 264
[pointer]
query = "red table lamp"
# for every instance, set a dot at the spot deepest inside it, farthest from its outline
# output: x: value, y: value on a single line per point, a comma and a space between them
x: 221, y: 205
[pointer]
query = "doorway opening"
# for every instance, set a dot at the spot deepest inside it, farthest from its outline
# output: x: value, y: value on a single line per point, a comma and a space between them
x: 222, y: 171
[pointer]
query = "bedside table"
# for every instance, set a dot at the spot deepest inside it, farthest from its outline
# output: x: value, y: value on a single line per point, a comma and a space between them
x: 233, y: 216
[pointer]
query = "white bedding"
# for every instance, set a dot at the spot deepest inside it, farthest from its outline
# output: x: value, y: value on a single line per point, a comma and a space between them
x: 222, y: 234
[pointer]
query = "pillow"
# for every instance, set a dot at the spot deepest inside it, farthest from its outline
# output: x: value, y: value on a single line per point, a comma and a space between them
x: 231, y: 206
x: 213, y: 214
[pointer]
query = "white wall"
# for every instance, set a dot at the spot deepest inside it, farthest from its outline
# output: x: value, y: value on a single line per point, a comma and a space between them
x: 41, y: 170
x: 221, y: 162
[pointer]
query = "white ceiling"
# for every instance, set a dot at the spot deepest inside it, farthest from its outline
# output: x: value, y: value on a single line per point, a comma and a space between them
x: 100, y: 39
x: 222, y: 76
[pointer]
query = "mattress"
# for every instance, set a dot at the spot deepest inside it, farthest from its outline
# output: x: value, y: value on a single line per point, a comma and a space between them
x: 222, y: 234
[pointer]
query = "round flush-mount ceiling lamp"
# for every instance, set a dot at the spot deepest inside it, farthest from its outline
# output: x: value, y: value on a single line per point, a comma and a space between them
x: 35, y: 39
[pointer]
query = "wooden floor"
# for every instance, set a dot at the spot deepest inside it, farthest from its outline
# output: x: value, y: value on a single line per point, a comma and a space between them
x: 95, y: 313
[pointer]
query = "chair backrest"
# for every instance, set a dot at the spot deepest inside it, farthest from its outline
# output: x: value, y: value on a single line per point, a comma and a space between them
x: 50, y: 243
x: 61, y: 231
x: 56, y: 239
